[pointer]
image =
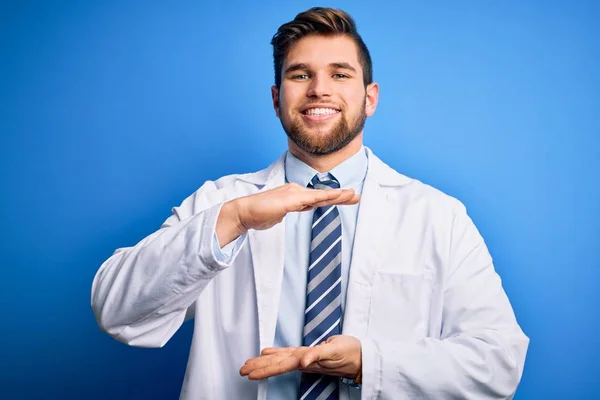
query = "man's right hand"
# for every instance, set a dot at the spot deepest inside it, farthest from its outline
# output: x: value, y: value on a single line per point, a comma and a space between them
x: 266, y: 209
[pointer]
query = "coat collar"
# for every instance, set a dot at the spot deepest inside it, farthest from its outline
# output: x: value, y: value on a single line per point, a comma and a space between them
x: 378, y: 171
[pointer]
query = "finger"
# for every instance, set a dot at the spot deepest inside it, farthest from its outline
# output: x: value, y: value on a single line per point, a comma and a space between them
x: 326, y: 355
x: 345, y: 195
x: 317, y: 369
x: 313, y: 196
x: 354, y: 200
x: 311, y: 357
x: 277, y: 350
x: 284, y: 365
x: 285, y: 355
x: 263, y: 361
x: 341, y: 201
x: 255, y: 363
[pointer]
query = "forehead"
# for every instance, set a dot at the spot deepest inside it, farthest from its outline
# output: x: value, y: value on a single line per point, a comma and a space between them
x: 321, y: 51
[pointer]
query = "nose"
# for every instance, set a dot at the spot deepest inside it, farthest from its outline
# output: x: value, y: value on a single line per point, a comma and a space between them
x: 320, y: 86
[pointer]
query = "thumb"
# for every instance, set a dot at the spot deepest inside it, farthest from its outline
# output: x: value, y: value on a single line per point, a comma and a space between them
x: 317, y: 353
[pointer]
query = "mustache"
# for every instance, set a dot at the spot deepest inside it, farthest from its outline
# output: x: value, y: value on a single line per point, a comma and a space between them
x: 320, y: 103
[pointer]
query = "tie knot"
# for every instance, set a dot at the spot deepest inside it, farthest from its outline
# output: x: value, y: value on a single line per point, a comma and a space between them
x: 328, y: 182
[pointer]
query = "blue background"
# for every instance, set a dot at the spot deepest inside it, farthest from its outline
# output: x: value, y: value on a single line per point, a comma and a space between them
x: 111, y: 113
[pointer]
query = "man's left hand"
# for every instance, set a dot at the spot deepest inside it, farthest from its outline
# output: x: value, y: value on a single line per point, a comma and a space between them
x: 340, y: 355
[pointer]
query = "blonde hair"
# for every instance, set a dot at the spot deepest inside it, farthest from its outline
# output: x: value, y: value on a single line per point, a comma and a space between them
x: 324, y: 22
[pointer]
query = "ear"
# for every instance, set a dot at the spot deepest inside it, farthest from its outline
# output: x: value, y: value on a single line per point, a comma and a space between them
x: 275, y: 97
x: 371, y: 98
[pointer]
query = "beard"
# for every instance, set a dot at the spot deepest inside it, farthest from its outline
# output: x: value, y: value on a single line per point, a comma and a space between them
x: 323, y: 143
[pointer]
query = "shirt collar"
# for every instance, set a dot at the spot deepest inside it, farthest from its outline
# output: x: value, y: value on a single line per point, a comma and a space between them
x: 349, y: 173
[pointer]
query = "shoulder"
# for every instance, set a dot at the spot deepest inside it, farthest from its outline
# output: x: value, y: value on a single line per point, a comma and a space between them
x: 250, y: 181
x: 228, y: 187
x: 408, y: 190
x: 432, y: 197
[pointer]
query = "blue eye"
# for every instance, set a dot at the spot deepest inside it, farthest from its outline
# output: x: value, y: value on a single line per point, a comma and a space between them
x: 300, y: 77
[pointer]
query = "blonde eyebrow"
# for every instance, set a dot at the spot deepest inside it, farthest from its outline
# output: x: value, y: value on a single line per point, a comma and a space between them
x: 297, y: 67
x: 306, y: 67
x: 343, y: 65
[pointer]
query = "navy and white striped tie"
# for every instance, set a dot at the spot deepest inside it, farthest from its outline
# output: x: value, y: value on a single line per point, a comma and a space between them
x: 323, y: 313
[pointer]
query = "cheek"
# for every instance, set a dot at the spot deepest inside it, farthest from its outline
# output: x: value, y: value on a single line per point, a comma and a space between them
x: 288, y: 109
x: 284, y: 104
x: 358, y: 103
x: 353, y: 99
x: 289, y: 98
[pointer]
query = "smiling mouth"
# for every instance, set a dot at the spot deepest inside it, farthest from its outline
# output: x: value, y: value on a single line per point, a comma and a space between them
x: 320, y: 111
x: 320, y: 116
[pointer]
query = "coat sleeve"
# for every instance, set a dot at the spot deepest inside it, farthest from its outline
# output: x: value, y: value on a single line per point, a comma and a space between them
x: 481, y: 350
x: 142, y: 294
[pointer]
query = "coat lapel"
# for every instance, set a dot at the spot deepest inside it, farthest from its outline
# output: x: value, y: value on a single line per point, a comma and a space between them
x: 267, y: 248
x: 371, y: 239
x: 267, y: 251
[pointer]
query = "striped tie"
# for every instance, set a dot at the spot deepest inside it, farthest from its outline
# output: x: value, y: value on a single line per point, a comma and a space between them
x: 323, y: 313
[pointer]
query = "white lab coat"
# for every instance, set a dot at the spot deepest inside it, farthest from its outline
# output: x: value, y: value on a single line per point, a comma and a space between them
x: 423, y: 296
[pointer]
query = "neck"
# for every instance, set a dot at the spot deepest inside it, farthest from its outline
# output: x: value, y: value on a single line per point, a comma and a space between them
x: 326, y: 163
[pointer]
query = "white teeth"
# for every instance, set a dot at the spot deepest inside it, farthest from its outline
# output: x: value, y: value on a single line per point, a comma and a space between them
x: 321, y: 111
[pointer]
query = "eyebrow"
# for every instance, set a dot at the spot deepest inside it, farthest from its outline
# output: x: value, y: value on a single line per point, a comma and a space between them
x: 343, y: 65
x: 303, y: 66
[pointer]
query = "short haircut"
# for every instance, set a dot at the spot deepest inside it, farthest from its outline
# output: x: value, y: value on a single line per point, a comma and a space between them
x: 319, y: 21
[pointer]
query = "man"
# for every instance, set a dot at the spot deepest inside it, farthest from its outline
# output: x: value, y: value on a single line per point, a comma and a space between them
x: 327, y: 275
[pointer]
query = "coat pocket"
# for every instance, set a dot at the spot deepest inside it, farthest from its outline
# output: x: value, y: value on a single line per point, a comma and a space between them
x: 400, y: 305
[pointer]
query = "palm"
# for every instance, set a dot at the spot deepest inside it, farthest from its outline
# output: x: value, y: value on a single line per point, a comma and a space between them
x: 268, y: 208
x: 339, y: 356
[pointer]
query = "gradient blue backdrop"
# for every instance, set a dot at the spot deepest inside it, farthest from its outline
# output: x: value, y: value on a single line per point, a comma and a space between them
x: 112, y: 113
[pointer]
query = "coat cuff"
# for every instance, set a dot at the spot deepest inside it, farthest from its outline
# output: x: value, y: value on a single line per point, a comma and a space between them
x: 216, y: 260
x: 371, y: 369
